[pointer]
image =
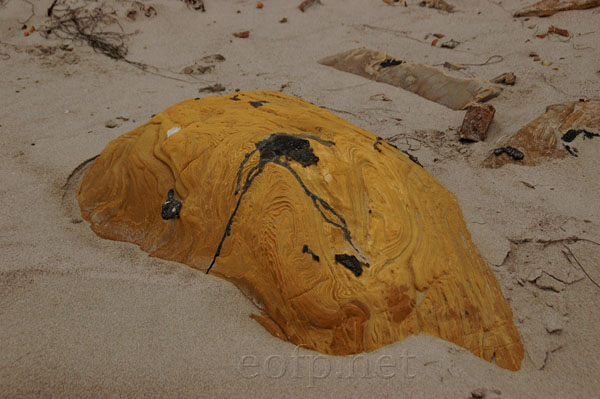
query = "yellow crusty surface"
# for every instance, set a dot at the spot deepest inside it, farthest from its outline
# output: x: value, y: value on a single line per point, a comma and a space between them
x: 424, y: 273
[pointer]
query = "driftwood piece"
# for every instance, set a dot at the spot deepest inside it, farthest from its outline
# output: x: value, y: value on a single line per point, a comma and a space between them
x: 343, y: 243
x: 432, y: 83
x: 539, y: 139
x: 507, y: 78
x: 546, y: 8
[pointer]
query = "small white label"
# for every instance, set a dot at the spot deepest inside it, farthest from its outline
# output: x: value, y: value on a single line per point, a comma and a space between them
x: 173, y: 130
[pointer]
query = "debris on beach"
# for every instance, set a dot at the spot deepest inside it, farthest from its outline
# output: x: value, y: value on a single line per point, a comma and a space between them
x: 454, y: 67
x: 308, y: 3
x: 197, y: 5
x: 558, y: 31
x: 507, y: 78
x: 546, y: 8
x: 477, y: 122
x: 213, y: 58
x: 478, y: 393
x: 379, y: 97
x: 90, y: 27
x: 217, y: 87
x: 437, y: 4
x: 538, y: 140
x: 242, y: 35
x: 427, y: 81
x: 451, y: 44
x: 197, y: 69
x: 113, y: 123
x: 510, y: 151
x: 283, y: 205
x: 132, y: 12
x: 571, y: 135
x: 204, y: 65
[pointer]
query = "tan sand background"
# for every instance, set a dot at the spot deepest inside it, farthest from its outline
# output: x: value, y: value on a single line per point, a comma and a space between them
x: 83, y: 316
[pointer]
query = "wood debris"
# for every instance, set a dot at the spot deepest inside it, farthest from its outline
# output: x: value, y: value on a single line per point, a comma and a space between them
x: 546, y: 8
x: 558, y: 31
x: 507, y: 78
x: 427, y: 81
x: 477, y: 122
x: 539, y: 139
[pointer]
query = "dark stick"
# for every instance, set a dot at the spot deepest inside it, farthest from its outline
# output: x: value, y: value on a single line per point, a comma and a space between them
x: 581, y: 266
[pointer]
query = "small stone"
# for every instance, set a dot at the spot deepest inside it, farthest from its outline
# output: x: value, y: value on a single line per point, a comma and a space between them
x: 478, y: 393
x: 111, y: 124
x: 188, y: 70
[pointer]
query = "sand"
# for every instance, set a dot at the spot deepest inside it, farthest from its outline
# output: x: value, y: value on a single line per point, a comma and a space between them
x: 83, y: 316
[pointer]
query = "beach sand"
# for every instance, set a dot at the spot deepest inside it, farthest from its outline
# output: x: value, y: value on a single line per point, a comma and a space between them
x: 84, y: 316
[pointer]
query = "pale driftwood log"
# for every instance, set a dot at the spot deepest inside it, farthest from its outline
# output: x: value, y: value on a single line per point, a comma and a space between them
x: 546, y: 8
x: 432, y: 83
x: 415, y: 268
x: 540, y: 139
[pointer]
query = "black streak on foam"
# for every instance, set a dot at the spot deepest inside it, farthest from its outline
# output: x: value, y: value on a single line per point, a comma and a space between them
x: 379, y: 141
x: 257, y: 104
x: 572, y: 134
x: 307, y: 250
x: 172, y: 206
x: 390, y: 62
x: 279, y: 148
x: 351, y: 263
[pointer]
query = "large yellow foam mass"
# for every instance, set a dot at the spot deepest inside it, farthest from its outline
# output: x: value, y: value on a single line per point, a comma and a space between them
x: 343, y: 243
